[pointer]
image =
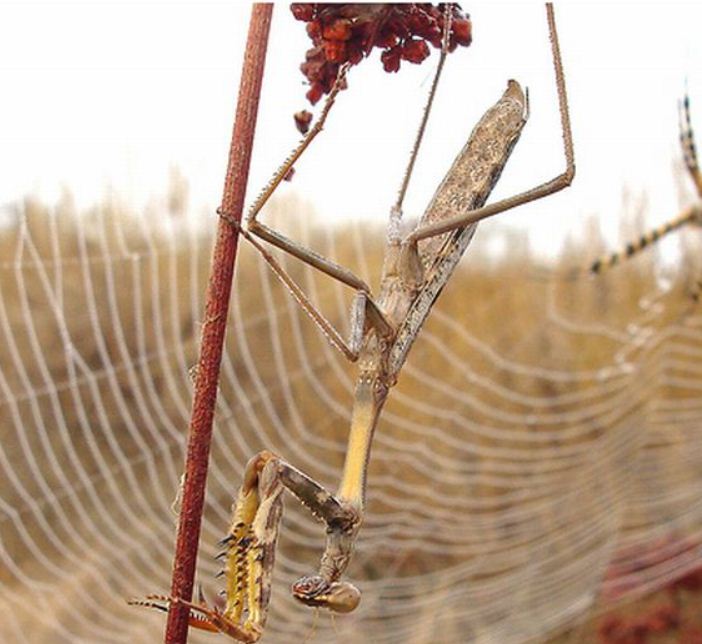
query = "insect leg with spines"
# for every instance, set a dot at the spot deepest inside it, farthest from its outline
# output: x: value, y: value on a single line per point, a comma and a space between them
x: 414, y: 272
x: 249, y: 547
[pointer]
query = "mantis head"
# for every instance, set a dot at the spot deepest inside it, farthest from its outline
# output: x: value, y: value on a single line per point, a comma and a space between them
x: 338, y: 596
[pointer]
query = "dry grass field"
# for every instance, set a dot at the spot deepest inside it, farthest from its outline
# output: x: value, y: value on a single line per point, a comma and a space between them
x: 543, y: 435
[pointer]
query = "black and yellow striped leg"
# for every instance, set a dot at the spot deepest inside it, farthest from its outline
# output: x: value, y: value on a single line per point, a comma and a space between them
x: 687, y: 142
x: 609, y: 261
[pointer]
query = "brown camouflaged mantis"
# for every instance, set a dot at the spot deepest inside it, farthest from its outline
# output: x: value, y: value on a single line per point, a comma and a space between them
x: 383, y: 329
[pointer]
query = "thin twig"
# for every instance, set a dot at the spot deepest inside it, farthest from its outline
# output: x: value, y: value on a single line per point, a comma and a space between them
x: 397, y: 207
x: 213, y: 329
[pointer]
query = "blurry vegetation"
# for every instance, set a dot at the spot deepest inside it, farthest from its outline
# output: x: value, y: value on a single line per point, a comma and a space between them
x: 100, y: 319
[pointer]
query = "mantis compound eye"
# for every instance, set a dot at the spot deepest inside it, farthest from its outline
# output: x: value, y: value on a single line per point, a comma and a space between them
x: 339, y: 596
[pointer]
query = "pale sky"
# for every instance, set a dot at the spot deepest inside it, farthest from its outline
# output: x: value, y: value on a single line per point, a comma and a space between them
x: 110, y: 95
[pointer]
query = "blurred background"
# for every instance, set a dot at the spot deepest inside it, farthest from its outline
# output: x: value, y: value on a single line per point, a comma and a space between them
x: 109, y: 97
x: 536, y: 473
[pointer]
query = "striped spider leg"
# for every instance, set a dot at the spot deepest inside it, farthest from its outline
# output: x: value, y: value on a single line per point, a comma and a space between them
x: 692, y: 215
x: 383, y: 330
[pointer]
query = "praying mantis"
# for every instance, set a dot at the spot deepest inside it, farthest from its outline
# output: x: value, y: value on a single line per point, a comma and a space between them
x: 383, y: 328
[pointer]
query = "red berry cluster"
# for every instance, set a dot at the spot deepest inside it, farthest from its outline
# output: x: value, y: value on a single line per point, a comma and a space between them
x: 346, y: 33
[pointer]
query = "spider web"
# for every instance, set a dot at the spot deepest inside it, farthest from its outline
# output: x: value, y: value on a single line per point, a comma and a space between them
x: 539, y: 455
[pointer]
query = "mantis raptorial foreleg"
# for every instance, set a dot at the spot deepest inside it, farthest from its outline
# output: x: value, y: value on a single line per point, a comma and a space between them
x: 250, y: 544
x: 249, y: 552
x: 382, y: 334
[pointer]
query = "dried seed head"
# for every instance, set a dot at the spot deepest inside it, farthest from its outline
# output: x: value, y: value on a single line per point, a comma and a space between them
x: 344, y: 33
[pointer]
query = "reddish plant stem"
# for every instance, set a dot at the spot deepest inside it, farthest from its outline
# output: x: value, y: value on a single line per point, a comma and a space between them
x: 214, y: 325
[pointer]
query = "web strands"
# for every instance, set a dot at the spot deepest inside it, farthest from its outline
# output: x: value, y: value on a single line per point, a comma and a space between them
x: 530, y: 462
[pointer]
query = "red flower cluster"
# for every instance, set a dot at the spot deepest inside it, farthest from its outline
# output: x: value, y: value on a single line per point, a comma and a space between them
x: 346, y: 33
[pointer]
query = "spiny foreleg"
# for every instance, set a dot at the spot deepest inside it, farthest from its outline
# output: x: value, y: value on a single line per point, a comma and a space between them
x: 249, y: 550
x: 250, y: 553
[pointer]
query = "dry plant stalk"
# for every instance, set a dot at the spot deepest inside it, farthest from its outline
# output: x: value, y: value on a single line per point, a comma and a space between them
x: 214, y: 326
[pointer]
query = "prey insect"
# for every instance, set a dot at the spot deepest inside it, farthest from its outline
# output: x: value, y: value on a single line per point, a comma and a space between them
x: 691, y: 215
x: 383, y: 329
